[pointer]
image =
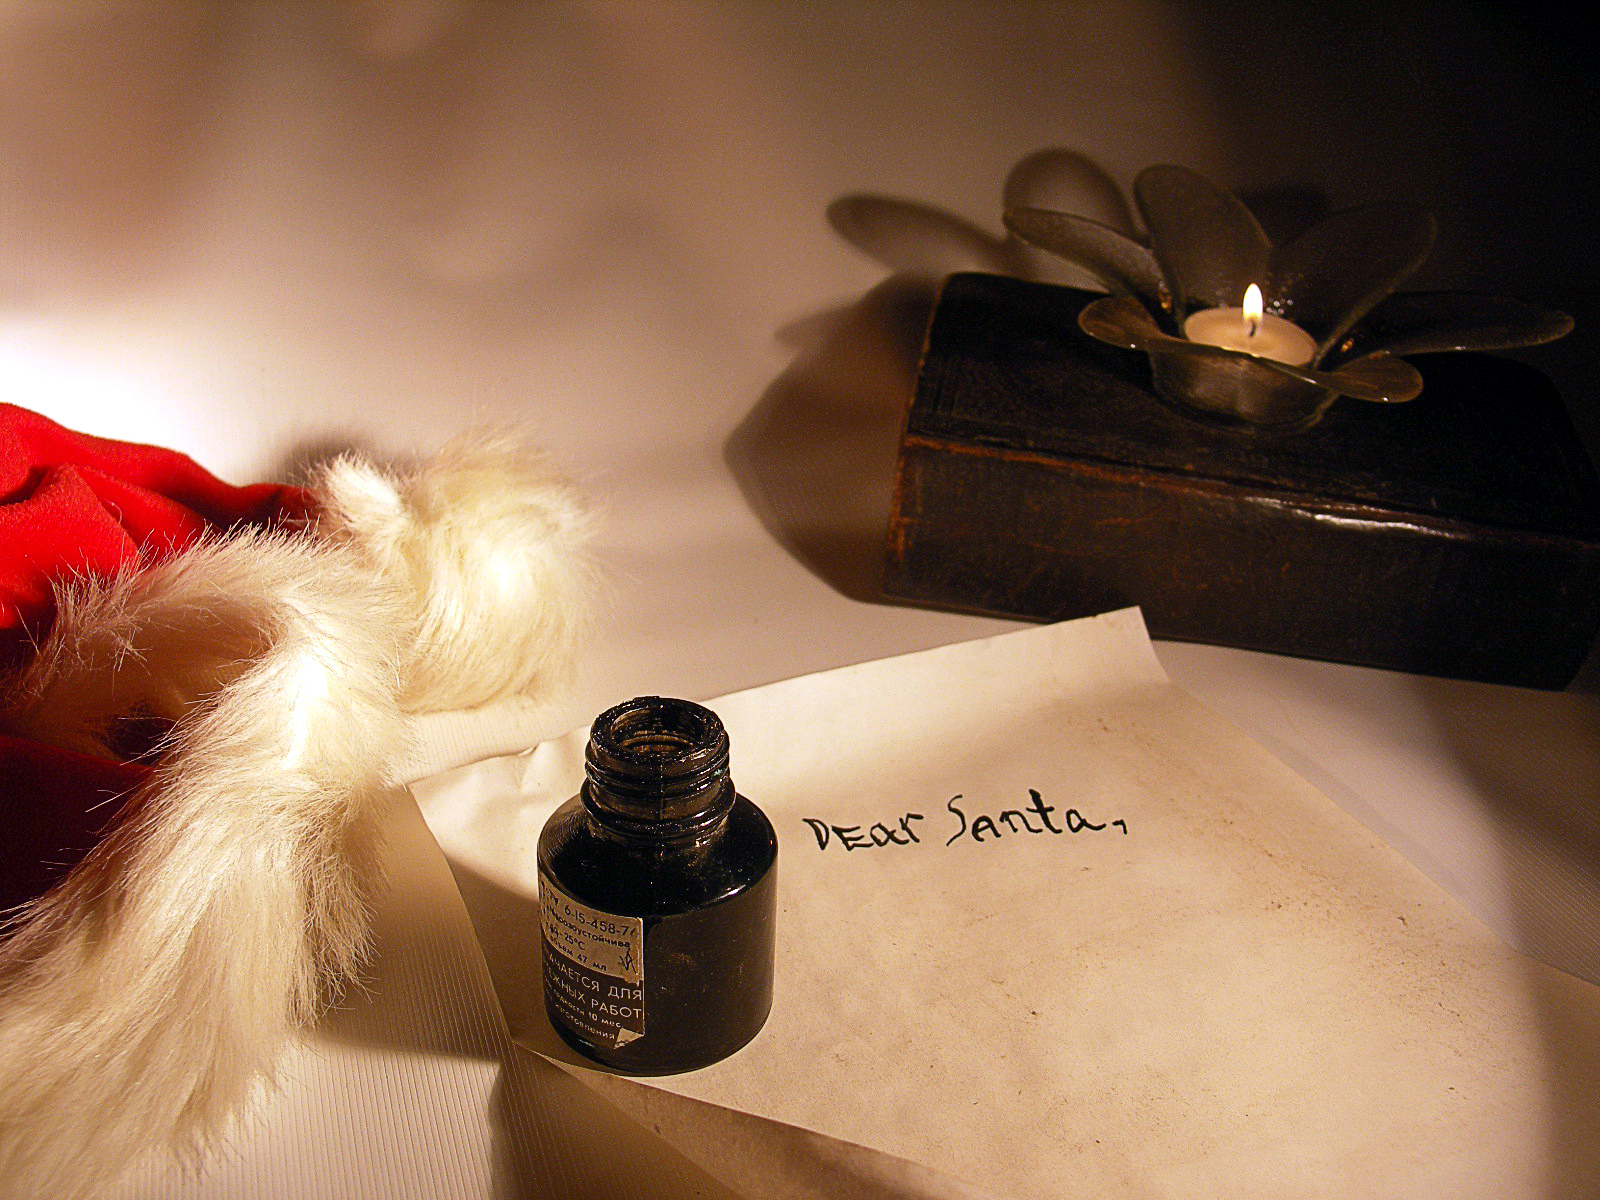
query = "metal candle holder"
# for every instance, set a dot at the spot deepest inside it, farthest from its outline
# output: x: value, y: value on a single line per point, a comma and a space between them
x: 1336, y: 282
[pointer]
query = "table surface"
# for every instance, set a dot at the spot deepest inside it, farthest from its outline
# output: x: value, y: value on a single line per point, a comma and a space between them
x: 692, y: 246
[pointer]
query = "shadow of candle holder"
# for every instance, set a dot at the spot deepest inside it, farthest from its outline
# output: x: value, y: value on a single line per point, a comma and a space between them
x: 815, y: 457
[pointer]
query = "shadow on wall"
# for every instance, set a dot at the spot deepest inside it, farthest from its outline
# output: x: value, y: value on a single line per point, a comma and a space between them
x: 815, y: 458
x: 1470, y: 108
x: 108, y: 118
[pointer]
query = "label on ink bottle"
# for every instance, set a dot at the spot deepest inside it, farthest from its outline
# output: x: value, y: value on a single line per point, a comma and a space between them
x: 593, y: 967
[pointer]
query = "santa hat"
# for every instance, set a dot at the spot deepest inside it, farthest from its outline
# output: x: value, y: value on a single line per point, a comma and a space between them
x: 202, y: 690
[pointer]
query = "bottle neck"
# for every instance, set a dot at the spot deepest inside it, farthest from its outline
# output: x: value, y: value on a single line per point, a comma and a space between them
x: 657, y: 769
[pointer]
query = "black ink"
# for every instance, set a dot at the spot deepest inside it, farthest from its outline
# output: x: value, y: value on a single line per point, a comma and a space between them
x: 1016, y: 821
x: 1020, y: 816
x: 878, y: 835
x: 951, y: 805
x: 1034, y: 820
x: 882, y: 835
x: 1044, y: 810
x: 850, y: 837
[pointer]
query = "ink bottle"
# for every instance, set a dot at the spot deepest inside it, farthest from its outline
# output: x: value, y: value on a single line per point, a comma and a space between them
x: 658, y: 896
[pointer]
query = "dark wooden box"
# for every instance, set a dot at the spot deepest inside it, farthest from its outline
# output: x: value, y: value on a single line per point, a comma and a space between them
x: 1039, y: 477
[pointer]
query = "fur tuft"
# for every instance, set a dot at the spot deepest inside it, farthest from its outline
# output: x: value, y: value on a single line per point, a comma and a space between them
x: 151, y: 991
x: 488, y: 538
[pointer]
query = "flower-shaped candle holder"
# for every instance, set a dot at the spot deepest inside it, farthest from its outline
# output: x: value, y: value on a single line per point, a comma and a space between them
x: 1325, y: 323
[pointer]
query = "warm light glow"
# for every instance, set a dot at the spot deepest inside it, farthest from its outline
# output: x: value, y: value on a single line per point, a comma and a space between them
x: 1250, y: 330
x: 1252, y: 310
x: 58, y: 382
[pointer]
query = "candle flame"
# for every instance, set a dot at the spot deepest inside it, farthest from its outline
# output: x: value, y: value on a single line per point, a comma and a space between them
x: 1252, y: 310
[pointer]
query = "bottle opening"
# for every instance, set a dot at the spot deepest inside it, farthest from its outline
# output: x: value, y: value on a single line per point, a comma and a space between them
x: 658, y: 759
x: 654, y: 729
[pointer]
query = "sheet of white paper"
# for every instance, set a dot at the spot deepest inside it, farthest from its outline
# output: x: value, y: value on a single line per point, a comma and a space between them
x: 1052, y: 927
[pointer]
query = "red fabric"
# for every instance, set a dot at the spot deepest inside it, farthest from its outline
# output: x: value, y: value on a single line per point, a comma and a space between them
x: 73, y: 505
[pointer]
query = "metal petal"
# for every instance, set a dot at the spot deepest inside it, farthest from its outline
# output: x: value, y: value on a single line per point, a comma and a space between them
x: 1378, y: 377
x: 1426, y: 322
x: 1111, y: 256
x: 1208, y: 244
x: 1330, y: 276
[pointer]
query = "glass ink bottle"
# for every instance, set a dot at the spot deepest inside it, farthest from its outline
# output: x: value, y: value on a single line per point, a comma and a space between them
x: 658, y: 896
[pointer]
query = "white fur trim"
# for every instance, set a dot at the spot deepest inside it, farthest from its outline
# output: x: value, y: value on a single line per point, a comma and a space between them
x: 486, y: 538
x: 143, y: 998
x: 146, y: 996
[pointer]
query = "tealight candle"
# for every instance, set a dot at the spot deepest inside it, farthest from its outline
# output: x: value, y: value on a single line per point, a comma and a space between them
x: 1251, y: 331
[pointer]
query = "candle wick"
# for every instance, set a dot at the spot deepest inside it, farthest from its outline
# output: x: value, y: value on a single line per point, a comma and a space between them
x: 1254, y: 324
